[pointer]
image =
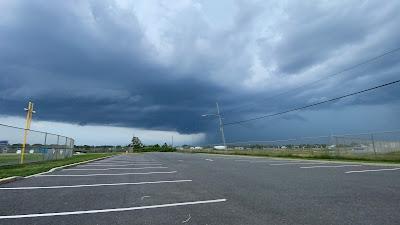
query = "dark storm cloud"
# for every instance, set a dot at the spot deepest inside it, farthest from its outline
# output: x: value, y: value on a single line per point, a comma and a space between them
x: 50, y: 56
x: 95, y: 62
x: 313, y: 32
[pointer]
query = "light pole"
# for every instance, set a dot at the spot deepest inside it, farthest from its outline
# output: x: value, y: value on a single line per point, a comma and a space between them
x: 29, y: 113
x: 221, y: 125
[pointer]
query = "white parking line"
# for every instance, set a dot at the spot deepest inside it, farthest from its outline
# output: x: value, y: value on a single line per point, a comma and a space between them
x: 209, y: 160
x: 377, y: 170
x: 276, y: 161
x: 268, y: 161
x: 100, y: 174
x: 297, y: 163
x: 125, y: 163
x: 109, y: 210
x: 129, y: 168
x: 100, y: 165
x: 337, y: 166
x: 94, y: 185
x: 244, y: 160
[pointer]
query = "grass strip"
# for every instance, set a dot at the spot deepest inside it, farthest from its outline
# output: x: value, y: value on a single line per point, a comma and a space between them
x: 393, y: 157
x: 38, y: 167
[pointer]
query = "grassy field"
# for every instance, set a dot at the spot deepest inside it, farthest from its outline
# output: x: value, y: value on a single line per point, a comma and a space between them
x: 37, y: 167
x: 393, y: 157
x: 12, y: 158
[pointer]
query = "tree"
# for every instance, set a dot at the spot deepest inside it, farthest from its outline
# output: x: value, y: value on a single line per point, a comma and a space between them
x: 136, y: 143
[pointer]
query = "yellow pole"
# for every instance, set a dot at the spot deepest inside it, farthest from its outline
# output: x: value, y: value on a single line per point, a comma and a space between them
x: 30, y: 116
x: 27, y: 127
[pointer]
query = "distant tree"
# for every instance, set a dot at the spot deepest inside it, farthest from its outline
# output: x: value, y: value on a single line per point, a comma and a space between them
x: 165, y: 146
x: 136, y: 143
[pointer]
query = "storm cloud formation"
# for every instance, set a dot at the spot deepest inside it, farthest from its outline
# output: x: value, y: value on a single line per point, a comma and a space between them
x: 161, y: 64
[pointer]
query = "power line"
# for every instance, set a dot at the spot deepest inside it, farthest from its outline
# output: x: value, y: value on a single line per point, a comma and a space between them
x: 326, y: 77
x: 37, y: 131
x: 311, y: 105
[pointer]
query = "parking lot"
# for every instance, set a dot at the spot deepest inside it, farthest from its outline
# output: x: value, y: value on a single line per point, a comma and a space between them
x: 177, y: 188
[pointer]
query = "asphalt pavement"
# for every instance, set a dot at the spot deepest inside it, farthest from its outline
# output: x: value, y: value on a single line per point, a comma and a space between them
x: 179, y: 188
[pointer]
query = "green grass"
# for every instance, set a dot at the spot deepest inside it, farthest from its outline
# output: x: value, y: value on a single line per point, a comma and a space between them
x: 13, y: 158
x: 392, y: 157
x: 155, y: 149
x: 38, y: 167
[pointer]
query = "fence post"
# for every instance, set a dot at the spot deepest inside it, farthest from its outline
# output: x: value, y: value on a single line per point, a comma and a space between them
x: 373, y: 144
x: 45, y: 143
x: 58, y: 145
x: 65, y: 150
x: 337, y: 146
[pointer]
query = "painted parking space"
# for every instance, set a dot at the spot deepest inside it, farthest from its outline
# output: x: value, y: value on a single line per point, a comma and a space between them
x: 106, y: 188
x: 220, y: 191
x: 327, y: 166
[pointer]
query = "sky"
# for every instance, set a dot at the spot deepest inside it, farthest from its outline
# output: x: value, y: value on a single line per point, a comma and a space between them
x: 102, y: 71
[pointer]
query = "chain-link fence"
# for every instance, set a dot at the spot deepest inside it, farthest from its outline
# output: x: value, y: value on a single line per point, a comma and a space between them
x: 39, y: 146
x: 372, y: 145
x: 368, y: 143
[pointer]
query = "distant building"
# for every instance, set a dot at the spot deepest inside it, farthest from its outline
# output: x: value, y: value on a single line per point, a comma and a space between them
x: 198, y: 147
x: 219, y: 147
x: 331, y: 146
x: 4, y: 146
x: 238, y: 148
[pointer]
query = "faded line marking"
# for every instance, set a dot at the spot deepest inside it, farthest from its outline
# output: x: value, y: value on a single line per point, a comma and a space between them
x: 377, y: 170
x: 100, y: 174
x: 209, y: 160
x: 337, y: 166
x: 94, y: 185
x: 110, y: 210
x: 143, y: 197
x: 128, y: 168
x: 187, y: 220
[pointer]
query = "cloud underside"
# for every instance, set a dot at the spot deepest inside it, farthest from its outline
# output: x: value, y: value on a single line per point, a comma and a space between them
x: 161, y: 64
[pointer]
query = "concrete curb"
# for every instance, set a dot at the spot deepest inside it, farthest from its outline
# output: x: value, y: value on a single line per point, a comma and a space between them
x: 10, y: 179
x: 66, y: 166
x: 15, y: 178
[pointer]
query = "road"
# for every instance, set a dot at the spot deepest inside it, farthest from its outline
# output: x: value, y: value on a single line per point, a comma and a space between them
x: 178, y: 188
